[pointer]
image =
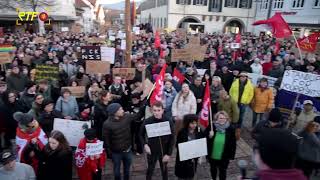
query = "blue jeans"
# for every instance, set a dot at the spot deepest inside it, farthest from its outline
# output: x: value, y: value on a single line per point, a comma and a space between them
x: 242, y: 109
x: 257, y: 117
x: 126, y: 158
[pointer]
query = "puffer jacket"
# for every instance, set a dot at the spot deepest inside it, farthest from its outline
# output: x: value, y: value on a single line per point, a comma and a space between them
x: 262, y: 100
x: 68, y: 108
x: 247, y: 94
x: 215, y: 92
x: 231, y: 107
x: 182, y: 106
x: 309, y: 149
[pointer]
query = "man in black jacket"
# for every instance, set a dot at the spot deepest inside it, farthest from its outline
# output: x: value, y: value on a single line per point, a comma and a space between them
x: 157, y: 148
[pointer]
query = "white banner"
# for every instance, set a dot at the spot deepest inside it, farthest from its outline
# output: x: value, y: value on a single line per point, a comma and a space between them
x: 64, y: 29
x: 94, y: 148
x: 107, y: 54
x: 193, y: 149
x: 235, y: 45
x: 72, y: 129
x: 123, y: 44
x: 256, y: 77
x: 300, y: 82
x: 158, y: 129
x: 112, y: 38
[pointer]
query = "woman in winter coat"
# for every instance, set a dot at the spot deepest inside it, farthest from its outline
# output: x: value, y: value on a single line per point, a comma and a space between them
x: 186, y: 170
x: 215, y: 89
x: 184, y: 103
x: 56, y: 159
x: 36, y: 106
x: 67, y: 105
x: 262, y: 101
x: 309, y: 149
x: 221, y: 143
x: 168, y: 97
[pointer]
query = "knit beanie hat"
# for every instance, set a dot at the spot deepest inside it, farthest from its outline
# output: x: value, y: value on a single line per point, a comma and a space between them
x: 90, y: 134
x: 275, y: 116
x: 278, y: 148
x: 113, y: 108
x: 30, y: 84
x: 23, y: 118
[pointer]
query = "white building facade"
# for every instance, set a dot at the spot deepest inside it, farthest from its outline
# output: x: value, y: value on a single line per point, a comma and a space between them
x: 303, y: 16
x: 215, y: 15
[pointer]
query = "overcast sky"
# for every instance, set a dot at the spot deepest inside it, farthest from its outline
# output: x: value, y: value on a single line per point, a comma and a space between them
x: 114, y: 1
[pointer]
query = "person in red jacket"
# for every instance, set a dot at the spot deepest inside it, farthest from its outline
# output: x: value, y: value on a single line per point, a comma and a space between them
x: 89, y: 167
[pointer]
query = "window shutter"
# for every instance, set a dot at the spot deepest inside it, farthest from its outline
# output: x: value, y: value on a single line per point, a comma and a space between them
x: 236, y: 4
x: 194, y: 2
x: 250, y: 4
x: 226, y: 3
x: 205, y: 2
x: 177, y: 1
x: 210, y: 6
x: 220, y: 5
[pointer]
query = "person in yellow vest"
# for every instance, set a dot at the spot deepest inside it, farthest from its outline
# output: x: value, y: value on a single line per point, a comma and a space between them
x: 242, y: 92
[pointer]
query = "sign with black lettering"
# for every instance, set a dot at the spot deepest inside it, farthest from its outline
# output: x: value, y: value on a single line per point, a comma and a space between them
x: 49, y: 72
x: 301, y: 82
x: 90, y: 53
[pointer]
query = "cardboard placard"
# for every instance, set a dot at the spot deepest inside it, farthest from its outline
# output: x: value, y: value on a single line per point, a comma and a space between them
x: 72, y: 129
x: 77, y: 91
x: 198, y: 52
x: 49, y: 72
x: 94, y: 148
x: 147, y: 88
x: 181, y: 33
x: 96, y: 67
x: 108, y: 54
x: 193, y: 149
x: 76, y: 29
x: 158, y: 129
x: 194, y: 40
x: 127, y: 73
x: 90, y: 53
x: 5, y: 58
x: 181, y: 55
x: 40, y: 40
x: 95, y: 40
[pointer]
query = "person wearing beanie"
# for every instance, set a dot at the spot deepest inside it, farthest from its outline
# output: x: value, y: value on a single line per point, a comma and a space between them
x: 47, y: 116
x: 309, y: 149
x: 274, y: 121
x: 89, y: 167
x: 28, y: 96
x: 275, y: 155
x: 85, y: 112
x: 117, y: 137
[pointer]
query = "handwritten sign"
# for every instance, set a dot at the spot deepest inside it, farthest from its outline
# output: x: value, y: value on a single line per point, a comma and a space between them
x: 96, y: 67
x: 158, y: 129
x: 181, y: 33
x: 90, y: 53
x: 49, y: 72
x: 181, y: 55
x: 201, y: 71
x: 5, y: 58
x: 72, y: 130
x: 108, y: 54
x: 193, y: 149
x: 300, y: 82
x: 256, y: 77
x: 94, y: 148
x: 235, y: 45
x: 39, y: 40
x: 112, y: 38
x: 64, y: 29
x: 77, y: 91
x: 127, y: 73
x: 194, y: 40
x: 95, y: 40
x: 197, y: 52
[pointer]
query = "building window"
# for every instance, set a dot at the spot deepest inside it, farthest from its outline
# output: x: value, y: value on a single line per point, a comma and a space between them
x: 231, y: 3
x: 264, y: 4
x: 199, y: 2
x: 298, y: 3
x: 160, y: 22
x: 215, y: 5
x: 165, y: 22
x: 278, y: 4
x: 183, y: 2
x: 316, y: 3
x: 245, y: 4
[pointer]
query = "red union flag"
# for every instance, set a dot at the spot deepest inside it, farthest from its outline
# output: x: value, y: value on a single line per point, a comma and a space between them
x: 280, y: 29
x: 178, y: 76
x: 206, y: 105
x: 309, y: 43
x: 158, y: 90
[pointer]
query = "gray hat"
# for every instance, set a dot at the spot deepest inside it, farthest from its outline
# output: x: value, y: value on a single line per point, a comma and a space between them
x: 113, y: 108
x: 23, y: 118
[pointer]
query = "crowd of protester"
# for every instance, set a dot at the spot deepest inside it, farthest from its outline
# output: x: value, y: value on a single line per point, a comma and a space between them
x: 119, y: 112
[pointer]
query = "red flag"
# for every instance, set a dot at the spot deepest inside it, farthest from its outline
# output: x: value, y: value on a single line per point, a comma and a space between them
x: 220, y: 49
x: 238, y: 38
x: 280, y: 29
x: 205, y: 111
x: 277, y: 48
x: 162, y: 53
x: 157, y: 41
x: 158, y: 90
x: 309, y: 43
x: 178, y: 76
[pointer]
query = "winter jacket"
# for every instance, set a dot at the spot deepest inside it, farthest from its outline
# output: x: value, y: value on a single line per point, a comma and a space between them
x: 215, y: 92
x: 17, y: 82
x: 99, y: 117
x: 67, y: 108
x: 167, y: 141
x: 82, y: 81
x: 226, y: 80
x: 35, y: 110
x: 46, y: 120
x: 309, y: 149
x: 186, y: 169
x: 303, y: 119
x: 263, y: 100
x: 247, y: 95
x: 285, y: 174
x: 168, y: 98
x: 231, y: 107
x: 55, y: 165
x: 256, y: 68
x: 264, y: 124
x: 276, y: 72
x: 69, y: 69
x: 26, y: 101
x: 182, y: 106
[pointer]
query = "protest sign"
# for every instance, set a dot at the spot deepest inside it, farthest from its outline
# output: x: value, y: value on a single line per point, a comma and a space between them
x: 201, y: 71
x: 90, y: 53
x: 301, y: 82
x: 181, y: 32
x: 123, y: 44
x: 96, y: 67
x: 49, y: 72
x: 181, y: 55
x: 148, y: 85
x: 77, y: 91
x: 39, y: 40
x: 94, y: 148
x: 108, y: 54
x: 5, y: 58
x: 256, y: 77
x: 158, y: 129
x: 64, y: 29
x: 194, y: 40
x: 193, y: 149
x: 127, y: 73
x: 76, y: 29
x: 136, y: 30
x: 72, y: 129
x: 235, y: 45
x: 112, y: 38
x: 96, y: 40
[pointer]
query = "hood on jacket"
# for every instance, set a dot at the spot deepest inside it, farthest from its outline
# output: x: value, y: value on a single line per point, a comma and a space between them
x: 286, y: 174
